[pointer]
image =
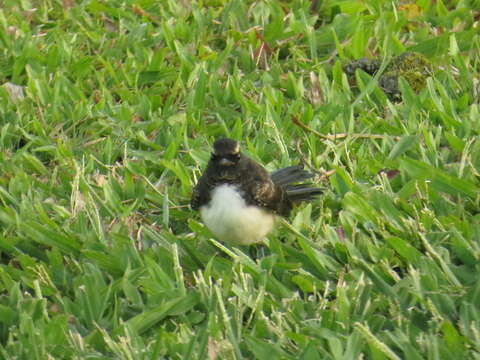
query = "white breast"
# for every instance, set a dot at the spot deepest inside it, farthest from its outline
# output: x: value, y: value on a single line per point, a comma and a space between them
x: 231, y: 220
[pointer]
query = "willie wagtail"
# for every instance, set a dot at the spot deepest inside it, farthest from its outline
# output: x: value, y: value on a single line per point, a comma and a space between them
x: 238, y: 199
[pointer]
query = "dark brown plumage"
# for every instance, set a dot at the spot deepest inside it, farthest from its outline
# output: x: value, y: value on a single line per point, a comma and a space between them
x: 276, y: 192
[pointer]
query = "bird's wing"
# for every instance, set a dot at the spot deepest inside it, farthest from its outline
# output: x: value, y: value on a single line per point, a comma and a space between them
x: 195, y: 200
x: 259, y: 188
x: 200, y: 193
x: 262, y: 192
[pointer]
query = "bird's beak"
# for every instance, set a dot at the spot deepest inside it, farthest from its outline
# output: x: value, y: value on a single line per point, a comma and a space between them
x: 225, y: 162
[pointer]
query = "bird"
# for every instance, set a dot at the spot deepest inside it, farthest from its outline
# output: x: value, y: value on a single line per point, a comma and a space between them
x: 239, y: 199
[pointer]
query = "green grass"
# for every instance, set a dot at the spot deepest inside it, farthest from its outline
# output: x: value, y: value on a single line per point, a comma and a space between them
x: 100, y: 255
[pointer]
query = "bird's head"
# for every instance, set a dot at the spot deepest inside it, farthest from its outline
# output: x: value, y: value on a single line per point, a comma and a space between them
x: 226, y: 152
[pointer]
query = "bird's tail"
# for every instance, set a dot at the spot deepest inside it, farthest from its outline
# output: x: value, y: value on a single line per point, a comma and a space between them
x: 302, y: 192
x: 290, y: 174
x: 287, y: 177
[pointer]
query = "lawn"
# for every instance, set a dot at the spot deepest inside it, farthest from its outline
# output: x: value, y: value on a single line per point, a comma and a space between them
x: 108, y: 110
